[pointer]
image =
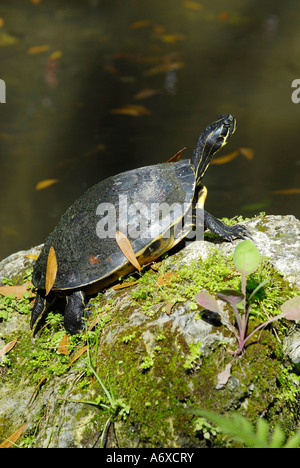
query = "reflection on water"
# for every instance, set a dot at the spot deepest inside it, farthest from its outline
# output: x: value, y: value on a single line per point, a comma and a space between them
x: 97, y: 87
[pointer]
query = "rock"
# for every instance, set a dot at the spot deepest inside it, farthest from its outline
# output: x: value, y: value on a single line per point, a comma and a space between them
x: 150, y: 366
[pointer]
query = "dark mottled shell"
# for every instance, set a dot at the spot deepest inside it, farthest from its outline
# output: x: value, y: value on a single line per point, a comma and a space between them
x: 84, y: 258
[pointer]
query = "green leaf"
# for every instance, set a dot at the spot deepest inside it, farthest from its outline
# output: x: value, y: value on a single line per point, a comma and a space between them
x: 246, y: 257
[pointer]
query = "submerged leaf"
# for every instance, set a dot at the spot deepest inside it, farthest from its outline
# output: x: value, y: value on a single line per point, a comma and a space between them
x: 133, y: 110
x: 45, y: 184
x: 226, y: 158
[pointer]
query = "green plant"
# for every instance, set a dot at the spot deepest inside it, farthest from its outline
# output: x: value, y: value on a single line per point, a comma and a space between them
x: 246, y: 259
x: 242, y: 430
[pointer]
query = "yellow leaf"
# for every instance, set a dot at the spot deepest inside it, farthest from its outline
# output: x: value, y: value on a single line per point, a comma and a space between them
x: 226, y: 158
x: 172, y: 38
x: 32, y: 256
x: 63, y: 346
x: 248, y: 153
x: 51, y: 270
x: 176, y: 156
x: 146, y: 93
x: 11, y: 440
x: 45, y: 184
x: 38, y: 49
x: 8, y: 347
x: 133, y: 110
x: 124, y: 285
x: 164, y: 68
x: 290, y: 191
x: 140, y: 24
x: 127, y: 250
x: 193, y: 5
x: 55, y: 55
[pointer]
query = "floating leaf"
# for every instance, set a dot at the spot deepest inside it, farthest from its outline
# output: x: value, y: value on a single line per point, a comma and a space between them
x: 11, y: 440
x: 127, y: 249
x: 63, y: 346
x: 290, y: 191
x: 226, y: 158
x: 8, y: 347
x: 55, y: 55
x: 176, y: 156
x: 45, y: 184
x: 204, y: 299
x: 248, y: 153
x: 172, y: 38
x: 147, y: 93
x: 164, y: 68
x: 193, y: 5
x: 51, y: 270
x: 133, y: 110
x: 140, y: 24
x: 18, y: 291
x: 246, y: 257
x: 224, y: 15
x: 291, y: 309
x: 38, y: 49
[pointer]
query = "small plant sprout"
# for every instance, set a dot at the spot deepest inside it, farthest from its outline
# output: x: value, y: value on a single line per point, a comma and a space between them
x: 246, y: 259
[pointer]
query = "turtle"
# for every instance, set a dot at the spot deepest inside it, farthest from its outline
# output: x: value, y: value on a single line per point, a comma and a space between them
x: 155, y: 207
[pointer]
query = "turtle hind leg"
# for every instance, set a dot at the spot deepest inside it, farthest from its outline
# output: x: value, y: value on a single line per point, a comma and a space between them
x: 41, y: 306
x: 237, y: 231
x: 75, y: 311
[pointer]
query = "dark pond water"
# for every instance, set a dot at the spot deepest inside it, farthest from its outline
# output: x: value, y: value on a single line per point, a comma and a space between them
x: 68, y: 64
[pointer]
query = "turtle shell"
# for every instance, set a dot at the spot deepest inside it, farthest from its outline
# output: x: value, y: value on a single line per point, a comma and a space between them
x: 85, y: 256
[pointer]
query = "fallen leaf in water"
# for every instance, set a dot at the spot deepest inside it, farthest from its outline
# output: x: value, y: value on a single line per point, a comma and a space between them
x: 176, y: 156
x: 8, y: 347
x: 38, y: 49
x: 18, y: 291
x: 7, y: 39
x: 45, y: 184
x: 111, y: 69
x: 226, y: 158
x: 12, y: 439
x: 140, y: 24
x: 290, y: 191
x: 193, y: 5
x: 132, y: 110
x: 147, y: 93
x: 1, y: 22
x: 63, y: 346
x: 164, y: 68
x: 172, y: 38
x: 55, y: 55
x: 248, y: 153
x: 224, y: 15
x: 125, y: 246
x: 51, y: 270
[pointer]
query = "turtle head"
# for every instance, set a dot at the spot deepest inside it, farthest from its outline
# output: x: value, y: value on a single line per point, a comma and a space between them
x: 210, y: 141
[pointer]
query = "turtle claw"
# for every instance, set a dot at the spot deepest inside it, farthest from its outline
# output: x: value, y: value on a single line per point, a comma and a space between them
x: 230, y: 233
x: 239, y: 231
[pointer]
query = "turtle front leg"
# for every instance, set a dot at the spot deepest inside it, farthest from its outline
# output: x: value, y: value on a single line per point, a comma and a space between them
x: 238, y: 231
x: 40, y: 308
x: 74, y: 311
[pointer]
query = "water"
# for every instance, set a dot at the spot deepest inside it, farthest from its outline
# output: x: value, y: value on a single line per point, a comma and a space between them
x: 198, y: 59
